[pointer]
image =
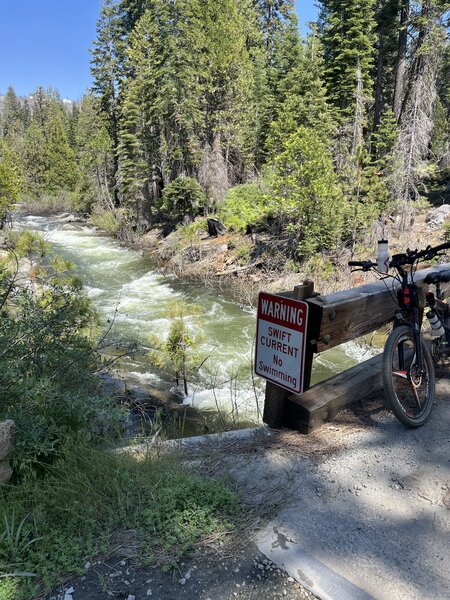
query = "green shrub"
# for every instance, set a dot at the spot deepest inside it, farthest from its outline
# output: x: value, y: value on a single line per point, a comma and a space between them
x: 182, y: 198
x: 191, y: 231
x: 177, y: 353
x: 243, y: 254
x: 51, y: 526
x: 62, y: 201
x: 245, y: 206
x: 48, y: 384
x: 320, y: 267
x: 308, y: 202
x: 107, y: 221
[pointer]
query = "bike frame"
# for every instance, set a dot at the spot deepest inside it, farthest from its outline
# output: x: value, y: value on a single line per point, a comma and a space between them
x: 409, y: 315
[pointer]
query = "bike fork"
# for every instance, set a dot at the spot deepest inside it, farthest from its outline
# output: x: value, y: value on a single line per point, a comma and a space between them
x: 417, y: 341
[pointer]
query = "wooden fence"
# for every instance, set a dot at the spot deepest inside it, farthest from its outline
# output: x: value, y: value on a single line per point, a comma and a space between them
x: 335, y: 319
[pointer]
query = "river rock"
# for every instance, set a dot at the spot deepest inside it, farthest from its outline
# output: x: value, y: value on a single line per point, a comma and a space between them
x: 216, y: 228
x: 72, y: 226
x: 113, y: 385
x: 69, y: 218
x: 438, y: 216
x: 7, y: 431
x: 5, y: 471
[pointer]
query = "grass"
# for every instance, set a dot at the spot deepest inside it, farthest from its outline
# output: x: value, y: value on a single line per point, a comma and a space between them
x: 51, y: 526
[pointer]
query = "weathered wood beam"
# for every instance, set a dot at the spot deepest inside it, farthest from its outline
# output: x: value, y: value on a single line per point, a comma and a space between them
x: 323, y: 401
x: 350, y: 314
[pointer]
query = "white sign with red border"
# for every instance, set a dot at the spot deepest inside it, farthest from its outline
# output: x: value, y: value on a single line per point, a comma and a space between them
x: 281, y: 340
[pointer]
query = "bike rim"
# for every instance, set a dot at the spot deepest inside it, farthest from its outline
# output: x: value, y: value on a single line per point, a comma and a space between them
x: 411, y: 387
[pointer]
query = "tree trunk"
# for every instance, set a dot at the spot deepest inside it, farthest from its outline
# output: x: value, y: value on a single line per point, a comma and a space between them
x: 419, y: 57
x: 379, y: 84
x: 401, y: 59
x: 115, y: 155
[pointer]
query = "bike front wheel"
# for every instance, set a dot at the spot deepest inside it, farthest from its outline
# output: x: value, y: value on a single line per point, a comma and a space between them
x: 409, y: 393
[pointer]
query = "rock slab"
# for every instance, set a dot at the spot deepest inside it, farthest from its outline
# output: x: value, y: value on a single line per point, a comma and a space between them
x: 7, y: 432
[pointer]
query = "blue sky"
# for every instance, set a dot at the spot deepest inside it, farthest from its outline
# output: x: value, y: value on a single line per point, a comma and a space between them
x: 46, y: 42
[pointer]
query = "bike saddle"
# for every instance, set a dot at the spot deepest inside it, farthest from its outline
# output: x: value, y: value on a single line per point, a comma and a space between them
x: 437, y: 277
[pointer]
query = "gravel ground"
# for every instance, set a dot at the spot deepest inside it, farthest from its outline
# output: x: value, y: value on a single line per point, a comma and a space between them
x: 246, y: 575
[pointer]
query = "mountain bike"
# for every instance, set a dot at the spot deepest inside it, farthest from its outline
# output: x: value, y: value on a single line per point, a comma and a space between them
x: 408, y: 371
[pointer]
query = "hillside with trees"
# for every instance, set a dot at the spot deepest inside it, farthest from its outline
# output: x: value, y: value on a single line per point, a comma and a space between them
x: 200, y: 108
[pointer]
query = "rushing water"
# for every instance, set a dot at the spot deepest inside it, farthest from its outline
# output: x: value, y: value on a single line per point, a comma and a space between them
x: 135, y: 298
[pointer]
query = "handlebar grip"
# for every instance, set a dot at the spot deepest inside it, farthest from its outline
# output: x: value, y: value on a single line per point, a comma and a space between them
x: 355, y: 263
x: 445, y: 246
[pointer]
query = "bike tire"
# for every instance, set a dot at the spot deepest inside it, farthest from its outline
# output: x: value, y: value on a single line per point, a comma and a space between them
x: 408, y: 395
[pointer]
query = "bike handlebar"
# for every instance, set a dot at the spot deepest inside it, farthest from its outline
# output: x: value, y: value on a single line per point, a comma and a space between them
x: 410, y: 256
x: 365, y: 265
x: 407, y: 258
x: 436, y: 249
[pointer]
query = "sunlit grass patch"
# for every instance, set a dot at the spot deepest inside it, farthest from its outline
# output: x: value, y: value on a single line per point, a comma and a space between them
x: 52, y: 526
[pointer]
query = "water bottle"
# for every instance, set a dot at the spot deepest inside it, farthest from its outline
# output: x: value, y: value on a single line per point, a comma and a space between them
x: 436, y: 326
x: 383, y: 256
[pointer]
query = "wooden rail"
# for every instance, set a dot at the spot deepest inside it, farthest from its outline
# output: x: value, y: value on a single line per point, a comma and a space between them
x: 335, y: 319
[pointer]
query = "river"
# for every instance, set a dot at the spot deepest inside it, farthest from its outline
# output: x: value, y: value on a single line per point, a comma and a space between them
x: 134, y: 297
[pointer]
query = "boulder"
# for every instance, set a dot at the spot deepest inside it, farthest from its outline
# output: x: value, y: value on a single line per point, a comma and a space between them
x: 7, y: 430
x: 114, y: 386
x: 216, y: 228
x: 438, y: 216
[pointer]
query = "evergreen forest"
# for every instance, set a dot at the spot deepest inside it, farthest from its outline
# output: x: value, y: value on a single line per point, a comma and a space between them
x: 203, y: 108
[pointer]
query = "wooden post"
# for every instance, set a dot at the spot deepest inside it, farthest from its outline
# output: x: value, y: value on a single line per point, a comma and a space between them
x: 275, y: 398
x: 303, y: 292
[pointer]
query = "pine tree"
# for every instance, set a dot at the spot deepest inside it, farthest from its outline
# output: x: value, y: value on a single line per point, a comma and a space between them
x: 40, y: 106
x: 260, y: 92
x: 348, y: 38
x: 11, y: 180
x: 62, y: 172
x: 230, y: 102
x: 308, y: 201
x: 273, y: 15
x: 388, y: 23
x: 130, y: 11
x: 380, y: 166
x: 283, y: 51
x: 162, y: 121
x: 305, y: 101
x: 107, y: 74
x: 11, y: 119
x: 94, y: 156
x: 136, y: 175
x: 35, y: 160
x: 401, y: 60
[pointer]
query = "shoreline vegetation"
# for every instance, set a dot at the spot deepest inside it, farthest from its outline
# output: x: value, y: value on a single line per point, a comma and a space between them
x: 235, y: 152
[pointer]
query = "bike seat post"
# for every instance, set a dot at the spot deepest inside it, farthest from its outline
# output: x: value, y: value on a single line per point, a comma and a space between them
x: 438, y: 290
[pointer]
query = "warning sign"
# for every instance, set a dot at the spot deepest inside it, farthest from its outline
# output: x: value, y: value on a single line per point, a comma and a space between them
x: 280, y: 341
